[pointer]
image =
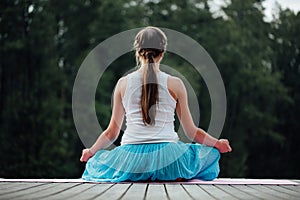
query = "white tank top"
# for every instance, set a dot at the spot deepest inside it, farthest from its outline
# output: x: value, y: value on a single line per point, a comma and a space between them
x: 136, y: 131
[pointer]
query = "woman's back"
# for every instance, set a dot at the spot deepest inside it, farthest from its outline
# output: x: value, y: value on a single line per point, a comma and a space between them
x: 163, y: 128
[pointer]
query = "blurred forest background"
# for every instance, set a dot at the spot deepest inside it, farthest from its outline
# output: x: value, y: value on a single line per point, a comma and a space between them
x: 43, y: 43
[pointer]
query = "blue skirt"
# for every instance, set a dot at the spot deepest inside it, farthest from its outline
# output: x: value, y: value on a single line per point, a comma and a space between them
x: 153, y: 162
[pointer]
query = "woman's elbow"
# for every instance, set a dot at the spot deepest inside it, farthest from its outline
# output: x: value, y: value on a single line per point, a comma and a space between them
x: 191, y: 132
x: 112, y: 134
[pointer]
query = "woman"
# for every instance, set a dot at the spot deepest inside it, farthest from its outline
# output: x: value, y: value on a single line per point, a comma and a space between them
x: 150, y: 148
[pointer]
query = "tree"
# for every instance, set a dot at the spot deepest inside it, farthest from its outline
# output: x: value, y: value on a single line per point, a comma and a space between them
x: 286, y: 44
x: 34, y: 131
x: 254, y: 90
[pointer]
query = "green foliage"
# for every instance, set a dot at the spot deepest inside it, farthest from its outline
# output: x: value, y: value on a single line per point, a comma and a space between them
x: 43, y: 43
x: 286, y: 60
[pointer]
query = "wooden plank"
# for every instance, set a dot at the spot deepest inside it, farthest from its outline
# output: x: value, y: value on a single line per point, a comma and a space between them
x: 16, y: 188
x: 136, y: 191
x: 80, y: 191
x: 260, y: 189
x: 285, y: 190
x: 176, y: 191
x: 5, y: 185
x: 216, y: 192
x: 156, y: 192
x: 52, y: 189
x: 292, y: 187
x: 117, y: 191
x: 249, y: 191
x: 92, y: 192
x: 236, y: 192
x: 70, y: 193
x: 257, y: 193
x: 197, y: 192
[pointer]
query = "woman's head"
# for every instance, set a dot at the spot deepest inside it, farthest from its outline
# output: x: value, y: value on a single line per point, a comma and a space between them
x: 150, y: 44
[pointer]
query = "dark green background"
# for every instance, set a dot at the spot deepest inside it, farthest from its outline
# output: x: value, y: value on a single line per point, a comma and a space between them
x: 42, y: 48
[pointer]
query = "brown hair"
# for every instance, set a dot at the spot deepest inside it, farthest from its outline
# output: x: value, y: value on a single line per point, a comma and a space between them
x: 149, y: 43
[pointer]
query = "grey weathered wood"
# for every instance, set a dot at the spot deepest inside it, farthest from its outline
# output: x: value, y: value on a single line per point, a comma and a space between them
x: 258, y: 194
x: 5, y: 185
x: 262, y: 188
x: 115, y: 192
x: 156, y: 192
x: 51, y: 190
x: 236, y: 192
x: 292, y: 187
x: 70, y: 193
x: 216, y: 192
x: 249, y: 191
x: 176, y: 191
x: 91, y: 192
x: 18, y: 188
x: 136, y: 191
x: 197, y: 192
x: 285, y: 190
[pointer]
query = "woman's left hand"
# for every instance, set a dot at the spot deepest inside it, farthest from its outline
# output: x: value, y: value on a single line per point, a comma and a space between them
x: 223, y: 146
x: 86, y: 155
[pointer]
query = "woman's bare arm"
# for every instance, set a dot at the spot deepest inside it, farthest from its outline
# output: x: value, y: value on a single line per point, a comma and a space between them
x: 194, y: 133
x: 111, y: 133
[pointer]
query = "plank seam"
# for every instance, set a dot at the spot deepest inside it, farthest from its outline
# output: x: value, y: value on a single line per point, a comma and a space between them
x: 168, y: 197
x: 249, y: 193
x: 122, y: 195
x: 234, y: 195
x: 146, y: 192
x: 271, y: 188
x: 74, y: 195
x: 97, y: 195
x: 289, y: 188
x: 37, y: 191
x: 187, y: 192
x: 26, y: 188
x: 55, y: 193
x: 267, y: 193
x: 207, y: 192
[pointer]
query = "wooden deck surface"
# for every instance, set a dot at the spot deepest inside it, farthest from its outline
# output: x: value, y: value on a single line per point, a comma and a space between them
x: 136, y: 191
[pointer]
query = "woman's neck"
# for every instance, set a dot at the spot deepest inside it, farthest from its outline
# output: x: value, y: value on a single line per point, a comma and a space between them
x: 144, y: 66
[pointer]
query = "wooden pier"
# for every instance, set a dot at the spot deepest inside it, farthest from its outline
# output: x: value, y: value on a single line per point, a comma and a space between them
x: 77, y: 190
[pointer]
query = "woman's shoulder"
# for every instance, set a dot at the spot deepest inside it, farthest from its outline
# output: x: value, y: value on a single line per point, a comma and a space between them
x: 122, y: 82
x: 176, y: 86
x: 174, y: 80
x: 124, y: 78
x: 132, y: 74
x: 121, y: 85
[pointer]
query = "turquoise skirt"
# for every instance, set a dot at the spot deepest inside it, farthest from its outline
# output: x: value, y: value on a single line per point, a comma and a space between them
x: 153, y: 162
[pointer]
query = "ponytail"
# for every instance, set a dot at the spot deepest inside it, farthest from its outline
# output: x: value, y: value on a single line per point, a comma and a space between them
x: 149, y: 95
x: 149, y: 43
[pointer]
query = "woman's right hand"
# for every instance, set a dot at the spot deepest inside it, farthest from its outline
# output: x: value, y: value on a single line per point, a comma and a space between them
x: 223, y: 146
x: 86, y: 155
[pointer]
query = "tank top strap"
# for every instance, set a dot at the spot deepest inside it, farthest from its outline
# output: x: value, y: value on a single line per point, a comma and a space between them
x: 130, y: 86
x: 163, y: 79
